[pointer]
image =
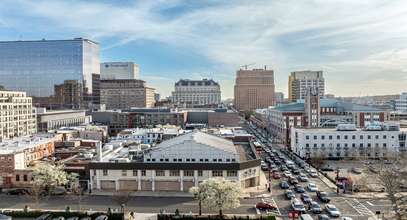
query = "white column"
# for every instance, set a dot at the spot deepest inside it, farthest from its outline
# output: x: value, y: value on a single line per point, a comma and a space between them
x: 210, y: 174
x: 258, y: 168
x: 139, y: 179
x: 153, y: 179
x: 196, y: 177
x: 97, y: 179
x: 181, y: 174
x: 238, y: 175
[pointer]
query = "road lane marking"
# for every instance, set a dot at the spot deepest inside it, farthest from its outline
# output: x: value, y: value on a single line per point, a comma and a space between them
x: 198, y: 204
x: 359, y: 207
x: 369, y: 203
x: 257, y: 210
x: 272, y: 201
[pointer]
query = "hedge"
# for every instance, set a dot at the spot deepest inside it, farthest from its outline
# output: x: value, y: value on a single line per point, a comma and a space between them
x: 193, y: 217
x: 36, y: 214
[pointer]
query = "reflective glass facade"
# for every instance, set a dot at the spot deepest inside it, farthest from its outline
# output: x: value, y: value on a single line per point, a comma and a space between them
x: 57, y: 73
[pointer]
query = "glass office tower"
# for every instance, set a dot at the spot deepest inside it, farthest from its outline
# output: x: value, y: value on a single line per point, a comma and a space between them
x: 56, y: 73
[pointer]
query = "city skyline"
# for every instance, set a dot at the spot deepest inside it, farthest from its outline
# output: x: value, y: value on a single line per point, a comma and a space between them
x: 359, y: 45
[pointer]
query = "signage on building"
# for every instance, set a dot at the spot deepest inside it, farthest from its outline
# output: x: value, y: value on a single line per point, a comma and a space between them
x: 116, y: 65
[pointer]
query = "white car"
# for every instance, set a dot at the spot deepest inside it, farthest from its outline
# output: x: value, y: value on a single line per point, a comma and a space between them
x: 287, y: 174
x: 332, y: 210
x: 312, y: 187
x: 346, y: 218
x: 303, y: 177
x: 307, y: 169
x: 313, y: 173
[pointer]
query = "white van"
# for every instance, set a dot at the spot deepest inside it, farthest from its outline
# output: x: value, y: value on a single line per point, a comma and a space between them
x: 306, y: 217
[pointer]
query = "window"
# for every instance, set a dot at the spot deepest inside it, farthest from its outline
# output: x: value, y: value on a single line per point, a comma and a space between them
x: 9, y: 159
x: 94, y: 172
x: 134, y: 172
x: 217, y: 173
x: 192, y: 159
x: 338, y: 137
x: 143, y: 173
x: 179, y: 159
x: 174, y: 173
x: 161, y: 159
x: 369, y: 137
x: 338, y: 145
x: 124, y: 172
x: 227, y: 160
x: 377, y: 137
x: 315, y: 137
x: 315, y: 145
x: 160, y: 173
x: 153, y: 159
x: 346, y: 137
x: 104, y: 172
x: 353, y: 137
x: 330, y: 137
x: 353, y: 145
x: 148, y: 159
x: 233, y: 160
x: 338, y: 154
x: 361, y: 137
x: 188, y: 173
x: 25, y: 178
x: 2, y: 159
x: 384, y: 145
x: 384, y: 136
x: 167, y: 160
x: 361, y: 145
x: 323, y: 137
x: 201, y: 160
x: 206, y: 160
x: 220, y: 160
x: 369, y: 145
x: 346, y: 145
x: 174, y: 159
x: 307, y: 137
x: 306, y: 145
x: 214, y: 159
x: 322, y: 145
x: 188, y: 159
x: 232, y: 173
x: 17, y: 178
x: 200, y: 173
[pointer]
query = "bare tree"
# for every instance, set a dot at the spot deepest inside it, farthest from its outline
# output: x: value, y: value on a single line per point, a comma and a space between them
x: 360, y: 181
x: 330, y: 150
x: 78, y: 195
x: 318, y: 159
x: 37, y: 195
x: 122, y: 198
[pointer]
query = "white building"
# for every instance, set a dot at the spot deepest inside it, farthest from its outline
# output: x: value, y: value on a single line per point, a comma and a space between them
x: 299, y: 81
x: 348, y: 141
x: 401, y: 104
x: 148, y: 135
x: 197, y: 92
x: 119, y: 70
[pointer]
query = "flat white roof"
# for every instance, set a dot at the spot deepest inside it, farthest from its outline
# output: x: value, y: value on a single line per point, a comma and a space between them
x: 18, y: 144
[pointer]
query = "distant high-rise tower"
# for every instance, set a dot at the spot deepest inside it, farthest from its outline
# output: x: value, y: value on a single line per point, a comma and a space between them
x: 299, y: 81
x: 39, y: 67
x: 254, y: 89
x: 119, y: 70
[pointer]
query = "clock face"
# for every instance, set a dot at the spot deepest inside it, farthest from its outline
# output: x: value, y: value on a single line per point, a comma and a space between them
x: 314, y: 92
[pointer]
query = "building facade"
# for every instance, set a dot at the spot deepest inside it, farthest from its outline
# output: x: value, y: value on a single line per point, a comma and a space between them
x: 119, y: 70
x: 198, y: 92
x: 254, y: 89
x: 17, y: 115
x: 401, y: 103
x: 35, y: 67
x: 348, y: 141
x: 157, y: 96
x: 279, y: 96
x: 56, y: 119
x: 299, y: 81
x: 126, y: 93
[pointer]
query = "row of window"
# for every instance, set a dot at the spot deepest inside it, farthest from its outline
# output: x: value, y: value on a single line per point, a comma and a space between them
x: 189, y: 160
x: 173, y: 173
x: 346, y: 145
x: 338, y: 137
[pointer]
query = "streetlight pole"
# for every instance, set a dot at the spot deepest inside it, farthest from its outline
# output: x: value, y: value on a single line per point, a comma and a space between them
x: 269, y: 189
x: 337, y: 179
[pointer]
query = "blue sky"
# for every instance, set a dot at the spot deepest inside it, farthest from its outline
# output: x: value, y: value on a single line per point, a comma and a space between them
x: 360, y: 45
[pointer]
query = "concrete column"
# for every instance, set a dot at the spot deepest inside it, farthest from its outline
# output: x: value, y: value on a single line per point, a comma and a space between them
x: 210, y: 174
x: 196, y: 177
x: 139, y: 179
x: 153, y: 180
x: 258, y: 177
x: 97, y: 179
x: 117, y: 185
x: 238, y: 175
x: 181, y: 174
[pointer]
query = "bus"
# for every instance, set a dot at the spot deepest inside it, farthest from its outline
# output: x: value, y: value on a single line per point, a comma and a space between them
x: 257, y: 146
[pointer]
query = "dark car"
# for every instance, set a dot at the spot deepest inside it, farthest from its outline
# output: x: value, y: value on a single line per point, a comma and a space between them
x: 323, y: 217
x: 299, y: 188
x: 272, y: 157
x: 284, y: 185
x: 298, y: 162
x: 340, y: 178
x: 268, y: 159
x: 327, y: 169
x: 17, y: 192
x: 264, y: 167
x: 45, y: 217
x: 302, y: 164
x: 59, y: 218
x: 296, y: 171
x: 101, y: 217
x: 293, y: 180
x: 272, y: 163
x: 306, y: 198
x: 284, y: 168
x: 323, y: 196
x: 277, y: 161
x: 265, y: 205
x: 315, y: 208
x: 86, y: 218
x: 73, y: 218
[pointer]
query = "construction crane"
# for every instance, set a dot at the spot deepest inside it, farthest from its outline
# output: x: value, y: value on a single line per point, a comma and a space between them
x: 245, y: 65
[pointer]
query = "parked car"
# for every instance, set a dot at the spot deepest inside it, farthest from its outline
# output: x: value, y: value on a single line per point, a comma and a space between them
x: 59, y: 218
x: 284, y: 168
x: 272, y: 163
x: 265, y: 205
x: 101, y: 217
x: 268, y: 159
x: 284, y: 185
x: 86, y: 218
x: 340, y: 178
x: 303, y: 177
x: 312, y: 187
x: 327, y: 169
x: 323, y: 196
x: 277, y: 175
x: 323, y: 217
x: 315, y: 208
x: 302, y: 164
x: 313, y: 173
x: 332, y: 210
x: 73, y: 218
x: 277, y: 161
x: 17, y: 192
x: 296, y: 171
x: 297, y: 205
x: 287, y: 174
x: 292, y: 180
x: 298, y: 162
x: 299, y: 188
x: 306, y: 198
x: 5, y: 217
x: 307, y: 169
x: 45, y: 217
x: 356, y: 170
x: 289, y: 194
x: 264, y: 167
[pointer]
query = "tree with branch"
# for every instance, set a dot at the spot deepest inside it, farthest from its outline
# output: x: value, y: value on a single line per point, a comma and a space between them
x: 218, y: 192
x: 122, y: 198
x: 318, y: 159
x: 37, y: 195
x: 77, y: 195
x: 49, y: 176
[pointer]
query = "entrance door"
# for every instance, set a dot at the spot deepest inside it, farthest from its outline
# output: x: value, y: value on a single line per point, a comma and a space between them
x: 8, y: 180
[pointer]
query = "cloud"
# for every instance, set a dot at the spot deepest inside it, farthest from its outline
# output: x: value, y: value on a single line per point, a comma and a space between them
x: 5, y: 24
x: 334, y: 52
x: 155, y: 78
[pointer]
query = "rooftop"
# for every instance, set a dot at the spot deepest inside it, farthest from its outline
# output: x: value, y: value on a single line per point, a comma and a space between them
x: 206, y: 82
x: 18, y: 144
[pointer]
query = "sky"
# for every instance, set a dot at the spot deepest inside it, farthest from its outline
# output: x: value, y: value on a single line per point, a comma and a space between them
x: 360, y: 45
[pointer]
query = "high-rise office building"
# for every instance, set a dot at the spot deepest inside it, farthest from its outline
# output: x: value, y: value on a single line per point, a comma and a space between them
x: 197, y: 92
x: 119, y: 70
x: 300, y: 81
x: 39, y: 68
x: 279, y: 96
x: 157, y: 97
x: 254, y: 89
x: 17, y: 113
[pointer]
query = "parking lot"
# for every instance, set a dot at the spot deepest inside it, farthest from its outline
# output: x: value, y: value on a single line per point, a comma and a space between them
x: 348, y: 207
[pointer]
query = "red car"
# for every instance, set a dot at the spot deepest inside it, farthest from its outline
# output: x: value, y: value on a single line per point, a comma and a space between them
x: 277, y: 175
x: 265, y: 205
x: 340, y: 178
x: 293, y: 180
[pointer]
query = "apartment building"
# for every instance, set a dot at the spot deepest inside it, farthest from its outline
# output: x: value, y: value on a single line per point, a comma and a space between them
x: 299, y: 81
x: 126, y: 93
x: 17, y: 115
x: 198, y: 92
x: 49, y: 120
x: 254, y: 89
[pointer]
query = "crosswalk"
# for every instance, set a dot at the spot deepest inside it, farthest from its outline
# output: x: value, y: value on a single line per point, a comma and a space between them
x: 269, y: 211
x: 359, y: 207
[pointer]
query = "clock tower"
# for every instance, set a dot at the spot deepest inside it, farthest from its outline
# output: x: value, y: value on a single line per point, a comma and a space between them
x: 312, y: 107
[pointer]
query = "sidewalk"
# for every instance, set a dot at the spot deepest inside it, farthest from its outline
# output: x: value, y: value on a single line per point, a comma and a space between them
x: 258, y: 191
x: 105, y: 192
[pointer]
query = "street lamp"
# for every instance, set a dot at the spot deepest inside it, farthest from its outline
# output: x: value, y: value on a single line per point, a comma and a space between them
x: 337, y: 179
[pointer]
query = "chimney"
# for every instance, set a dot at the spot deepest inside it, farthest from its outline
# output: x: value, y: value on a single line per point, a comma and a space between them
x: 265, y: 68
